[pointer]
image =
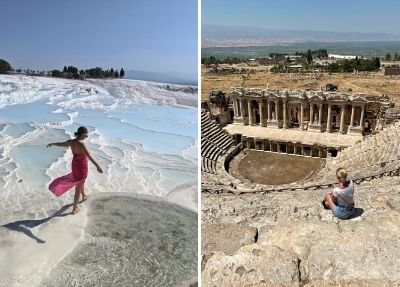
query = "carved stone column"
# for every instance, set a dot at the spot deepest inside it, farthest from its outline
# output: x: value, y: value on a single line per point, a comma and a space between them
x: 277, y: 110
x: 235, y: 108
x: 329, y: 120
x: 352, y: 116
x: 242, y: 108
x: 362, y: 116
x: 284, y: 114
x: 262, y: 119
x: 269, y: 110
x: 341, y: 129
x: 320, y: 114
x: 302, y: 116
x: 311, y: 113
x: 250, y: 112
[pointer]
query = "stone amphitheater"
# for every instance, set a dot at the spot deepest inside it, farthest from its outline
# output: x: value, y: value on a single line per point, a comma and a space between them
x: 257, y: 234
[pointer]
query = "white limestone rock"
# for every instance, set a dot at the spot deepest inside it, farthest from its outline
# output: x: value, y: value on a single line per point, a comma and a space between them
x: 343, y: 251
x: 227, y: 238
x: 252, y: 265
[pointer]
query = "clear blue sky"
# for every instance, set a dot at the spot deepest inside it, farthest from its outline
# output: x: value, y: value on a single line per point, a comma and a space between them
x: 150, y: 35
x: 321, y: 15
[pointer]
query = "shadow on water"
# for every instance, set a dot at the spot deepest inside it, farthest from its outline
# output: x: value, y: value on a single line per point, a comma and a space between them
x: 25, y: 226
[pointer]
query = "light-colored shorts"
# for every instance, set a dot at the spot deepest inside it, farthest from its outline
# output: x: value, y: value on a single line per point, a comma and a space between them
x: 343, y: 211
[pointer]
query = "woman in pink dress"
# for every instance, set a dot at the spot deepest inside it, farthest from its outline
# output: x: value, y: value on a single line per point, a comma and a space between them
x: 79, y: 168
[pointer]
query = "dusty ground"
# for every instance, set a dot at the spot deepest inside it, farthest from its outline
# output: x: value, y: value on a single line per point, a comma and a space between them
x: 372, y: 83
x: 271, y: 168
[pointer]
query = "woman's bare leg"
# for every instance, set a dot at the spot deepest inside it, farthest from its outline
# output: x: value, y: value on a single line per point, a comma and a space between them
x: 75, y: 208
x: 84, y: 196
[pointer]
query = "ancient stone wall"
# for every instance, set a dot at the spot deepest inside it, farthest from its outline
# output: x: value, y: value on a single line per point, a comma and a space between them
x: 219, y: 107
x: 312, y: 111
x: 391, y: 70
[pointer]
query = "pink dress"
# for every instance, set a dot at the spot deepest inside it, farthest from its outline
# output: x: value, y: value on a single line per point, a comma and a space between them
x: 79, y: 173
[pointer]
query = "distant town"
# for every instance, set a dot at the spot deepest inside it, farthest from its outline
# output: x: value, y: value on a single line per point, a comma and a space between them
x: 310, y: 61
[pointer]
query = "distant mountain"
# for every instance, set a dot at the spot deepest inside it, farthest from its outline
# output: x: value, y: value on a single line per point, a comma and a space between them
x: 159, y: 77
x: 230, y: 36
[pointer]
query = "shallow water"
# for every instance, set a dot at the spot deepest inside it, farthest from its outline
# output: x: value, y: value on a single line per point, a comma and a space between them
x: 152, y: 140
x: 36, y: 112
x: 143, y: 143
x: 17, y: 130
x: 132, y: 242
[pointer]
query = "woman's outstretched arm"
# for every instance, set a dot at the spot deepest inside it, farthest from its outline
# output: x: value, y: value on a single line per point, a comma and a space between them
x: 62, y: 144
x: 92, y: 159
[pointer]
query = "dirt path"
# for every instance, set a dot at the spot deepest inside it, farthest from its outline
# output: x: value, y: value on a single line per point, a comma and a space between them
x: 272, y: 168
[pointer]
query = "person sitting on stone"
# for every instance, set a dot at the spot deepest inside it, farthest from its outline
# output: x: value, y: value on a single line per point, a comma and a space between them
x: 340, y: 201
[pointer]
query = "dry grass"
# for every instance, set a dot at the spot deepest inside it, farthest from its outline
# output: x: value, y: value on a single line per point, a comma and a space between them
x: 373, y: 83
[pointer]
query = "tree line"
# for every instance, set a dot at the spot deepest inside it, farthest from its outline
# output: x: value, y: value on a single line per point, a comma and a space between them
x: 396, y: 57
x: 351, y: 65
x: 69, y: 72
x: 5, y: 67
x: 74, y: 73
x: 320, y: 53
x: 207, y: 61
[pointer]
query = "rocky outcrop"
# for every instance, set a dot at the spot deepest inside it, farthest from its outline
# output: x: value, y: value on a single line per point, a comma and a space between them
x: 227, y: 238
x: 361, y: 251
x: 347, y: 250
x: 252, y: 265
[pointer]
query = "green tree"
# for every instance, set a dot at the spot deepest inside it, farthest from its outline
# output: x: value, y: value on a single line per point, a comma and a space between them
x: 396, y: 57
x: 121, y: 73
x: 309, y: 57
x: 333, y: 67
x: 377, y: 63
x: 5, y: 66
x: 56, y: 73
x: 72, y: 72
x: 388, y: 57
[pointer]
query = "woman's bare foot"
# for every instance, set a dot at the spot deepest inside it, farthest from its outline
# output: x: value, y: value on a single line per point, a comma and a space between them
x: 84, y: 197
x: 75, y: 210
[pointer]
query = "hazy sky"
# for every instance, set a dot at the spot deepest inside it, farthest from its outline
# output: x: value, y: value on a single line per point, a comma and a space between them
x: 326, y: 15
x: 150, y: 35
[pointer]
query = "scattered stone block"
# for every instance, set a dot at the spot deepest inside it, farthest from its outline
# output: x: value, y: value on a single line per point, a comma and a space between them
x: 225, y: 237
x: 252, y: 265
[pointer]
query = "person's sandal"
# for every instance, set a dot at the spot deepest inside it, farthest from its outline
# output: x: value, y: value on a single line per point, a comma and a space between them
x: 323, y: 204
